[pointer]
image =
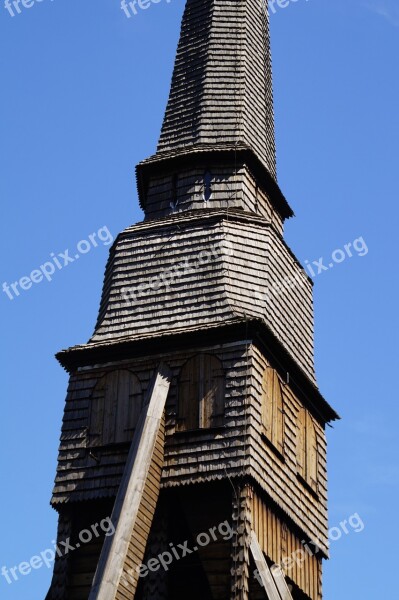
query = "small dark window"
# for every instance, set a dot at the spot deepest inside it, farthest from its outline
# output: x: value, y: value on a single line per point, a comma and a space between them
x: 201, y: 393
x: 207, y: 186
x: 115, y: 408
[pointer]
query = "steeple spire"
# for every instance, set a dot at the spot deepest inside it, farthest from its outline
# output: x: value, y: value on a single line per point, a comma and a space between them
x: 221, y: 91
x: 218, y: 129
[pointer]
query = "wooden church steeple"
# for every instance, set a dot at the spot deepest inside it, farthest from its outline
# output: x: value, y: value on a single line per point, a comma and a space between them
x: 221, y: 93
x: 193, y: 425
x: 220, y: 110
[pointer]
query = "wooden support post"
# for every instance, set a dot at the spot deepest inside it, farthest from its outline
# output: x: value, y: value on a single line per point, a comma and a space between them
x: 281, y: 583
x: 136, y: 501
x: 271, y: 591
x: 273, y: 580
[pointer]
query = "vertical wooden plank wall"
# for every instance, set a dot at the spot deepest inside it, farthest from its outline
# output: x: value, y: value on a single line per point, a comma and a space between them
x: 278, y: 543
x: 277, y: 473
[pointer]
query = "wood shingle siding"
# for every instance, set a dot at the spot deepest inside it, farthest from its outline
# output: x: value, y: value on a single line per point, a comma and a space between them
x: 198, y: 272
x: 238, y: 448
x: 282, y: 484
x: 224, y: 94
x: 234, y: 186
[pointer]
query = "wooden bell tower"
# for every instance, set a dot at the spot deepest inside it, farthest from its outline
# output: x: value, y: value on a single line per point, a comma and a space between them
x: 193, y: 415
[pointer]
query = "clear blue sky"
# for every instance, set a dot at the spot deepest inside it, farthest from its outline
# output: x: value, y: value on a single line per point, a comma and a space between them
x: 83, y: 94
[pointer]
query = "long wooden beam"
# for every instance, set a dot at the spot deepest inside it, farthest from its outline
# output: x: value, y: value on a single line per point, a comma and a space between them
x: 136, y: 499
x: 280, y: 581
x: 273, y: 580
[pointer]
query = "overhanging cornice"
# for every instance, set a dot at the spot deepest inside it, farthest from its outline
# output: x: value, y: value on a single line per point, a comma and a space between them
x: 239, y: 328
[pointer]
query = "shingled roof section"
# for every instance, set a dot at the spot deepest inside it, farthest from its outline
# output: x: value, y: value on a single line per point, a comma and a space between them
x: 221, y: 89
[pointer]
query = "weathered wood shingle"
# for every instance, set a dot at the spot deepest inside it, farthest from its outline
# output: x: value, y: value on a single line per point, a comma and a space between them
x: 221, y: 89
x: 236, y: 449
x: 207, y: 269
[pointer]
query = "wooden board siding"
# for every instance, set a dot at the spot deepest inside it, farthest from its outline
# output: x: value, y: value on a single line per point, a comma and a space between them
x: 278, y: 543
x: 282, y: 483
x: 247, y: 278
x: 273, y: 409
x: 201, y: 394
x: 235, y: 449
x: 265, y: 576
x: 207, y: 453
x: 116, y: 405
